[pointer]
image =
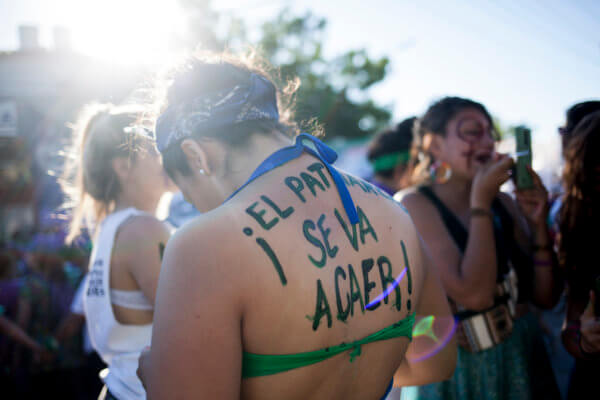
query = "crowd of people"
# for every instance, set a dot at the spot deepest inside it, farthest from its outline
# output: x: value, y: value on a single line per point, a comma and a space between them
x: 424, y: 275
x: 42, y: 348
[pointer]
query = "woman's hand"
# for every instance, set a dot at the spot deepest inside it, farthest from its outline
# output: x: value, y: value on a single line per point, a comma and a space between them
x: 533, y: 203
x: 590, y: 328
x: 488, y: 180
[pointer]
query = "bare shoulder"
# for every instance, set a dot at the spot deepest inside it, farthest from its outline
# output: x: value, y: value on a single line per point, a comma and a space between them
x: 206, y: 240
x: 202, y: 261
x: 138, y: 232
x: 416, y: 203
x: 203, y: 231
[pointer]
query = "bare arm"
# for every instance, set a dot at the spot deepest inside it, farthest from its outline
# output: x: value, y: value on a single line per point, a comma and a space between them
x: 571, y: 327
x: 142, y: 256
x: 581, y: 330
x: 425, y: 361
x: 196, y: 347
x: 531, y: 216
x: 14, y: 331
x: 469, y: 280
x: 547, y: 284
x: 69, y: 326
x: 72, y: 323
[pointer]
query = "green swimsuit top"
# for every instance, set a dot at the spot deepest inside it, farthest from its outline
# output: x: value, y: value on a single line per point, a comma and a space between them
x: 268, y: 364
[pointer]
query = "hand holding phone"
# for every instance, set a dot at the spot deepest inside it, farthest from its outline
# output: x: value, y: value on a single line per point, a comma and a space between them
x: 522, y: 177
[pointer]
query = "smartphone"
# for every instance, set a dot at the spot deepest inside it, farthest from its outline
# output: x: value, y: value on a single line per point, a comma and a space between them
x: 522, y: 176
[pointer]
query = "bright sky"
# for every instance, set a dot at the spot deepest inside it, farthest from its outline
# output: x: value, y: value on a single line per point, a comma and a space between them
x: 526, y: 61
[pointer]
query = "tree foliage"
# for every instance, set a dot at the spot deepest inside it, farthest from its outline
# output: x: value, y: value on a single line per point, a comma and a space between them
x: 333, y: 91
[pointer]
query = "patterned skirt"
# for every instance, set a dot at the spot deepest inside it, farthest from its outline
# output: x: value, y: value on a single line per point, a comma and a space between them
x: 518, y: 368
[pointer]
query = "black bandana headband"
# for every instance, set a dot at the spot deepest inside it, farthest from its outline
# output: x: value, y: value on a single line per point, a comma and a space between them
x: 252, y: 101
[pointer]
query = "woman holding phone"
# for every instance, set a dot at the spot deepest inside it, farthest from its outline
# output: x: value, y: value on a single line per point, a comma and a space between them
x: 493, y: 254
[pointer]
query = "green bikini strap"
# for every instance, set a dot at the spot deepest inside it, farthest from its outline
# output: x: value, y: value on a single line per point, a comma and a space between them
x: 267, y: 364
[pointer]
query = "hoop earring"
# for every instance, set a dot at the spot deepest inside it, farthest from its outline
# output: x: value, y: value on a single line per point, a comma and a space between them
x: 440, y: 172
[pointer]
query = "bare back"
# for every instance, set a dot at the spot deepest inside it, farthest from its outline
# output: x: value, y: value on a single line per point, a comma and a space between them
x: 296, y: 276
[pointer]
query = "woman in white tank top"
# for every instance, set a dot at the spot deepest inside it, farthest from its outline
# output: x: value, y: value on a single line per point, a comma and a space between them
x: 119, y: 182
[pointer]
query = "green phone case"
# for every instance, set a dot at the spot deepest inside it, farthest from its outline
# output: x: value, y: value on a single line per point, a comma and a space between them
x: 523, y: 179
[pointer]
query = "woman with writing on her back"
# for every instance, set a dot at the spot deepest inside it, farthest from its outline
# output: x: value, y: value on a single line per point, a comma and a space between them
x: 298, y: 281
x: 493, y: 255
x: 119, y: 183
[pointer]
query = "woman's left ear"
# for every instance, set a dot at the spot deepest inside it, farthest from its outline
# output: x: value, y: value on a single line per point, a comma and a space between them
x: 196, y: 156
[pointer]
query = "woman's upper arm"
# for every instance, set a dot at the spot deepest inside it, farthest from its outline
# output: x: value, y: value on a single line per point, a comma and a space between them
x: 440, y: 250
x: 426, y: 361
x: 196, y: 347
x: 139, y: 245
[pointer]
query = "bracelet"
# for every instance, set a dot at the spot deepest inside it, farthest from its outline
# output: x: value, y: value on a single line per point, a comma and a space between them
x: 480, y: 212
x: 542, y: 263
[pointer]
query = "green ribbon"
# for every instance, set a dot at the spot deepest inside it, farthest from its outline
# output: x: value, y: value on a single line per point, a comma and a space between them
x: 390, y: 160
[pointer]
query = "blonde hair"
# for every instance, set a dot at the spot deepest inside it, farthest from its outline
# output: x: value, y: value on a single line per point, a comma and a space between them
x: 90, y: 182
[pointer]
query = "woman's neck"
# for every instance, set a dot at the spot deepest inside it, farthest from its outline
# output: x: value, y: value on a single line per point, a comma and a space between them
x: 244, y: 162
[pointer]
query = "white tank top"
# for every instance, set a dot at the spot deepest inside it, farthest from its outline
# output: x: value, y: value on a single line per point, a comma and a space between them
x: 117, y: 344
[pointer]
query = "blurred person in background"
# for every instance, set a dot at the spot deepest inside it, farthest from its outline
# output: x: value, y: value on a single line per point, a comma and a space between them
x: 552, y: 320
x: 119, y: 182
x: 45, y: 297
x: 389, y: 155
x: 574, y: 115
x: 579, y: 221
x: 493, y: 255
x: 74, y: 324
x: 11, y: 334
x: 258, y: 296
x: 180, y: 211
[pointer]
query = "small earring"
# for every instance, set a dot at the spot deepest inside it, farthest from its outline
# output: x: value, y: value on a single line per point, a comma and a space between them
x: 202, y: 171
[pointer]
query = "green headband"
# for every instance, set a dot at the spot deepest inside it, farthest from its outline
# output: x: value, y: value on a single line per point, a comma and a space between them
x: 390, y: 160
